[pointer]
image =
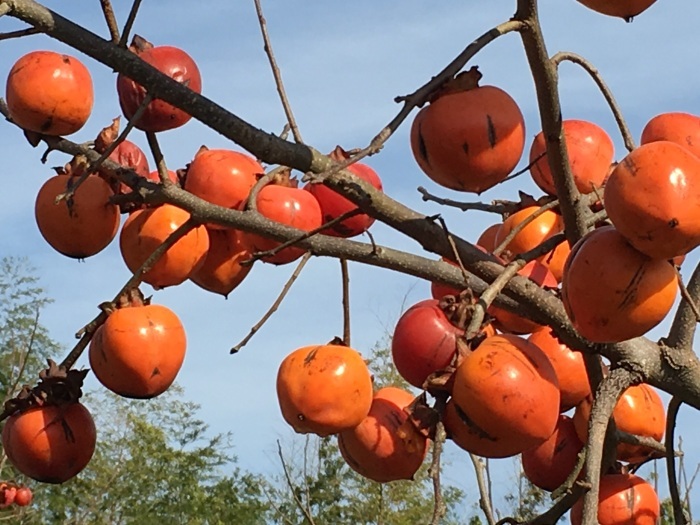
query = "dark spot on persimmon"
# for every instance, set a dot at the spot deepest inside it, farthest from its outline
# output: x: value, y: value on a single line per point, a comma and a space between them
x: 673, y: 223
x: 491, y: 131
x: 422, y: 148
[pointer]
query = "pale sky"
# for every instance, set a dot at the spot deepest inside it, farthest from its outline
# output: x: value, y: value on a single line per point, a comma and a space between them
x: 342, y: 69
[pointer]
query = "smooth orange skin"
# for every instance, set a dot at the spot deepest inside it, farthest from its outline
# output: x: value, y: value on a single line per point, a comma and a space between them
x: 292, y: 207
x: 324, y: 389
x: 222, y: 177
x: 49, y: 93
x: 590, y: 150
x: 222, y: 270
x: 37, y: 444
x: 138, y: 351
x: 145, y: 230
x: 513, y: 323
x: 681, y: 128
x: 621, y: 8
x: 612, y: 292
x: 384, y: 446
x: 84, y: 229
x: 653, y: 197
x: 639, y: 411
x: 509, y: 390
x: 625, y: 499
x: 549, y: 464
x: 470, y: 140
x: 569, y: 366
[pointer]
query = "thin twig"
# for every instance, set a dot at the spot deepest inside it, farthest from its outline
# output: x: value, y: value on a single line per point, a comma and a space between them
x: 486, y: 298
x: 687, y: 297
x: 292, y: 488
x: 484, y: 495
x: 110, y: 19
x: 277, y: 74
x: 129, y: 23
x: 501, y: 207
x: 20, y: 33
x: 678, y: 514
x: 10, y: 391
x: 158, y: 158
x: 525, y: 169
x: 345, y: 276
x: 275, y: 305
x: 439, y: 508
x: 607, y: 94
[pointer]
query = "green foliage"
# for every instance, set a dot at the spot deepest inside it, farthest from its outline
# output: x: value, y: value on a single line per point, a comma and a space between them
x: 154, y: 464
x: 24, y: 341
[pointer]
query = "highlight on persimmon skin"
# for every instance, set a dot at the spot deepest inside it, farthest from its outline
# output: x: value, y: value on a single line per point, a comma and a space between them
x: 612, y: 292
x: 49, y: 93
x: 385, y: 446
x: 324, y: 389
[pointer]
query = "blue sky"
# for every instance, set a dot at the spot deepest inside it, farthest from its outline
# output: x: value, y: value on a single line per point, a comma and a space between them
x: 342, y: 68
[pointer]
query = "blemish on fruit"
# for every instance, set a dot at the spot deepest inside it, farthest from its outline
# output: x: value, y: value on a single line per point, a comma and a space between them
x: 491, y: 131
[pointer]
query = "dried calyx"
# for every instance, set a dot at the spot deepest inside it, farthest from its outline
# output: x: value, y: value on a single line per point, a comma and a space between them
x: 57, y: 386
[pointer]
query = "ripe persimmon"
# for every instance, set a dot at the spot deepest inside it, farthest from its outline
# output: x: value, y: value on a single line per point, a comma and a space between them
x: 324, y: 389
x: 653, y: 199
x: 569, y: 366
x: 590, y: 150
x: 639, y: 411
x: 611, y: 291
x: 623, y: 499
x: 79, y: 226
x: 222, y: 270
x: 291, y: 206
x: 50, y: 443
x: 50, y: 93
x: 424, y: 342
x: 385, y: 446
x: 548, y: 464
x: 681, y: 128
x: 506, y: 398
x: 469, y: 137
x: 222, y: 177
x: 144, y: 230
x: 139, y: 349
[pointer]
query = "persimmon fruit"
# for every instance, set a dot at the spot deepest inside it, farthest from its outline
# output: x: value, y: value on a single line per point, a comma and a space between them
x: 470, y: 137
x: 49, y: 93
x: 82, y: 225
x: 611, y: 291
x: 385, y: 446
x: 50, y: 443
x: 653, y: 199
x: 324, y: 389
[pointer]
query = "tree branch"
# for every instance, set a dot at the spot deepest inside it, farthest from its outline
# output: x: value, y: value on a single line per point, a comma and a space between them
x: 607, y: 94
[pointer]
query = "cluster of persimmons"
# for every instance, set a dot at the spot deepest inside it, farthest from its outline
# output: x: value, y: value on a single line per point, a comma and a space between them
x: 505, y: 389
